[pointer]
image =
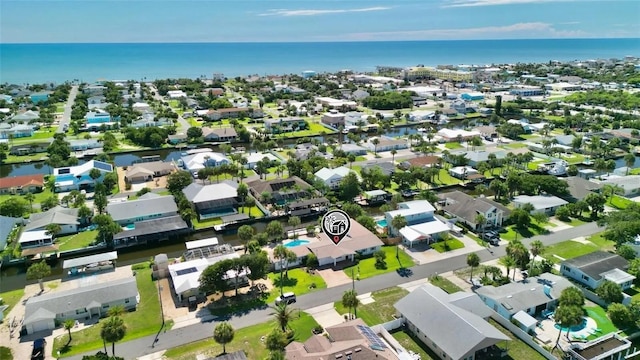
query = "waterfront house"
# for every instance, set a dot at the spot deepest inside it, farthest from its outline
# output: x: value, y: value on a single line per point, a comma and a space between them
x: 19, y: 185
x: 35, y: 239
x: 441, y: 320
x: 282, y: 125
x: 333, y: 118
x: 202, y: 158
x: 422, y: 225
x: 146, y: 207
x: 547, y: 204
x: 77, y: 177
x: 353, y: 149
x: 67, y: 218
x: 236, y: 112
x: 281, y: 191
x: 254, y: 158
x: 15, y: 131
x: 94, y: 89
x: 422, y: 161
x: 41, y: 313
x: 465, y: 208
x: 7, y: 225
x: 462, y: 172
x: 147, y: 171
x: 386, y: 143
x: 177, y: 139
x: 611, y: 346
x: 84, y: 144
x: 630, y: 184
x: 536, y: 295
x: 456, y: 134
x: 579, y: 188
x: 26, y: 116
x: 479, y: 156
x: 39, y: 97
x: 151, y: 231
x: 99, y: 117
x: 213, y: 200
x: 348, y: 340
x: 594, y: 268
x: 226, y: 134
x: 422, y: 115
x: 463, y: 107
x: 386, y: 167
x: 332, y: 177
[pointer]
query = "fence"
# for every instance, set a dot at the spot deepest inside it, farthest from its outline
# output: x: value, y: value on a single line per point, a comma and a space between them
x: 522, y: 335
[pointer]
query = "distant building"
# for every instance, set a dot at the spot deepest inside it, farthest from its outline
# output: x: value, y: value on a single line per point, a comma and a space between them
x: 281, y: 125
x: 226, y: 134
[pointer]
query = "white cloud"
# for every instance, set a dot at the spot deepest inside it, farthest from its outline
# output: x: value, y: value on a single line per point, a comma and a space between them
x: 313, y: 12
x: 468, y: 3
x: 518, y: 30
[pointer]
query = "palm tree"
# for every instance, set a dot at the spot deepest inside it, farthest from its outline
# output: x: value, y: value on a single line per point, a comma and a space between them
x: 223, y: 334
x: 482, y: 221
x: 113, y: 330
x: 473, y: 260
x: 375, y: 143
x: 283, y: 315
x: 393, y: 155
x: 68, y: 325
x: 53, y: 229
x: 567, y: 316
x: 508, y: 262
x: 30, y: 198
x: 398, y: 222
x: 629, y: 160
x: 116, y: 310
x: 350, y: 301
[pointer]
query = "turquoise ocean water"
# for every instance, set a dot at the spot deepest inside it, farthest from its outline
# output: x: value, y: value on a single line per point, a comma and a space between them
x: 36, y: 63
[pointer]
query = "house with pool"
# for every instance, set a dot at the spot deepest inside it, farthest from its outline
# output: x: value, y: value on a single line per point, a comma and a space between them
x: 422, y: 224
x: 281, y: 191
x: 78, y: 178
x: 146, y: 207
x: 359, y: 240
x: 213, y: 200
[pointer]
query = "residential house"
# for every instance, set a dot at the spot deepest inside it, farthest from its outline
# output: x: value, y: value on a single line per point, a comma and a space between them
x: 349, y: 340
x: 149, y: 120
x: 465, y: 208
x: 456, y: 134
x: 39, y: 97
x: 536, y: 295
x: 422, y: 224
x: 463, y: 172
x: 422, y: 161
x: 332, y: 103
x: 67, y: 218
x: 360, y: 95
x: 176, y: 94
x: 281, y: 191
x: 353, y: 149
x: 441, y: 320
x: 419, y: 100
x: 611, y: 346
x: 547, y: 204
x: 254, y: 158
x: 146, y: 207
x: 26, y: 116
x: 304, y: 151
x: 94, y: 89
x: 99, y: 117
x: 422, y: 115
x: 35, y: 239
x: 487, y: 131
x: 333, y: 118
x: 579, y: 188
x: 78, y: 177
x: 147, y: 171
x: 202, y: 158
x: 151, y: 231
x: 18, y: 185
x: 7, y: 225
x: 84, y: 144
x: 185, y: 276
x: 15, y: 131
x: 141, y: 106
x: 232, y: 113
x: 177, y: 139
x: 226, y: 134
x: 386, y: 143
x: 213, y: 200
x: 630, y: 184
x: 472, y: 96
x: 359, y: 240
x: 592, y: 269
x: 6, y: 98
x: 332, y: 177
x: 479, y: 156
x: 282, y: 125
x: 462, y: 107
x: 83, y: 303
x: 95, y: 100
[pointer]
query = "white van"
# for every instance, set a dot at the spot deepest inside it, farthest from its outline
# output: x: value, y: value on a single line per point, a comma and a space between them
x: 287, y: 298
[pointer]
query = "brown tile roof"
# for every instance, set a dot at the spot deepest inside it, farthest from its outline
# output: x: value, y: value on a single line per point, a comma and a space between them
x: 423, y: 160
x: 259, y: 186
x: 24, y: 180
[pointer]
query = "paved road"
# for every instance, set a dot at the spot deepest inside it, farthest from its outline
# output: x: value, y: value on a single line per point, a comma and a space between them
x: 173, y: 338
x: 66, y: 115
x: 184, y: 124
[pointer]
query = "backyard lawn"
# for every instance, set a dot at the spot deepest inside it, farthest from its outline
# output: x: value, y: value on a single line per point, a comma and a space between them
x: 39, y: 197
x: 449, y: 245
x: 248, y: 339
x: 11, y: 298
x: 516, y: 348
x: 299, y: 282
x: 44, y: 133
x: 411, y: 343
x: 453, y: 145
x: 444, y: 178
x: 77, y: 241
x: 206, y: 223
x: 444, y: 284
x: 379, y: 311
x: 599, y: 314
x: 146, y: 320
x: 619, y: 202
x: 366, y: 267
x: 568, y: 250
x: 5, y: 353
x: 315, y: 129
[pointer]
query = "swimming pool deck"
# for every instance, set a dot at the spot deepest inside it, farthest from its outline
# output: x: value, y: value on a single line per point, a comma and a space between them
x: 547, y: 333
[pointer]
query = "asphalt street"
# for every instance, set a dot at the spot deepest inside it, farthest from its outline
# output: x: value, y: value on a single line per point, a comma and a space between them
x: 184, y: 335
x: 66, y: 115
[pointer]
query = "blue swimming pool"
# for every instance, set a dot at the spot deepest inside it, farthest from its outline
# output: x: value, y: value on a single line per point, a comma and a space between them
x: 296, y: 242
x: 382, y: 223
x: 574, y: 328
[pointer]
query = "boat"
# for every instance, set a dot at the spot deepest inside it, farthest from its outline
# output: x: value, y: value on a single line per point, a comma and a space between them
x: 558, y: 168
x: 421, y: 130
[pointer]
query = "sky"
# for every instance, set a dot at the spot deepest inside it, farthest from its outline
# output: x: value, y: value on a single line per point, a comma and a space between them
x: 131, y: 21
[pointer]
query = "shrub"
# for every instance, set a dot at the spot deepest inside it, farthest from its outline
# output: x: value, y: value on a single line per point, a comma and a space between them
x: 619, y: 314
x: 140, y: 266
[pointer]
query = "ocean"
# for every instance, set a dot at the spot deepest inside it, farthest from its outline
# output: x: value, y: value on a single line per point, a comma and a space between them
x: 39, y: 63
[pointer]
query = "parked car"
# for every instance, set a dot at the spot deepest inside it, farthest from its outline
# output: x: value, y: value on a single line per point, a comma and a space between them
x: 409, y: 193
x: 38, y: 349
x: 492, y: 237
x: 287, y: 298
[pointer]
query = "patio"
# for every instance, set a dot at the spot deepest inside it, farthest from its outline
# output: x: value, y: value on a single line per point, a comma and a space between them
x: 547, y: 333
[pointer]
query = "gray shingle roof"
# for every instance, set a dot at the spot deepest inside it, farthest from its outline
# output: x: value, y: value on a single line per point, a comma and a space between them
x: 597, y: 262
x: 198, y: 193
x: 57, y: 215
x: 142, y: 207
x: 579, y: 188
x: 6, y: 225
x: 467, y: 207
x: 79, y: 298
x: 431, y: 311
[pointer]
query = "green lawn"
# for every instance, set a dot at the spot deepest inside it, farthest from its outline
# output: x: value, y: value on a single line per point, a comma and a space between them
x: 574, y: 222
x: 602, y: 243
x: 567, y: 250
x: 315, y: 129
x: 366, y: 267
x: 599, y: 314
x: 514, y: 145
x: 299, y: 282
x: 5, y: 353
x: 444, y: 246
x: 619, y: 202
x: 379, y: 311
x: 44, y: 133
x: 206, y: 223
x: 248, y: 339
x: 444, y: 178
x: 411, y: 343
x: 516, y: 348
x: 146, y: 320
x: 39, y: 197
x: 531, y: 231
x: 11, y: 298
x: 444, y: 284
x: 453, y: 145
x: 77, y: 241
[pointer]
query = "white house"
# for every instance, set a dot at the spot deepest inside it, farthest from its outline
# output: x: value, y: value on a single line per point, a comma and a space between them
x: 254, y: 158
x: 465, y: 208
x: 146, y: 207
x: 462, y: 172
x: 592, y: 269
x: 386, y: 144
x: 422, y: 225
x: 630, y: 184
x: 67, y: 218
x: 332, y: 177
x: 196, y: 160
x: 541, y: 203
x: 78, y: 177
x: 35, y: 238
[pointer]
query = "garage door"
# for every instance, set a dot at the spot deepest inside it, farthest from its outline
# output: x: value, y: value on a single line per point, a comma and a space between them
x: 42, y: 325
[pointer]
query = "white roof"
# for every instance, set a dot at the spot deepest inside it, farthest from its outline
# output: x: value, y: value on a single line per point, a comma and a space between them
x: 197, y: 161
x: 326, y: 173
x: 452, y: 133
x: 617, y: 276
x: 525, y: 319
x: 29, y: 236
x: 257, y: 157
x: 411, y: 208
x: 626, y: 182
x: 84, y: 168
x: 375, y: 192
x: 201, y: 243
x: 186, y: 275
x: 539, y: 202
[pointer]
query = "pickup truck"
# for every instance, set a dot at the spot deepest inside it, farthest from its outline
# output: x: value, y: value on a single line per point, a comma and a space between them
x: 38, y: 349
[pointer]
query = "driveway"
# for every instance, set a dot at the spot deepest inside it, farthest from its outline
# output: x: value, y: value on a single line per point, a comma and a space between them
x: 326, y: 315
x: 66, y: 115
x: 334, y: 277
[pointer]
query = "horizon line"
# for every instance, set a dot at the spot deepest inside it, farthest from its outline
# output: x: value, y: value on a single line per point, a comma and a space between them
x: 306, y: 42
